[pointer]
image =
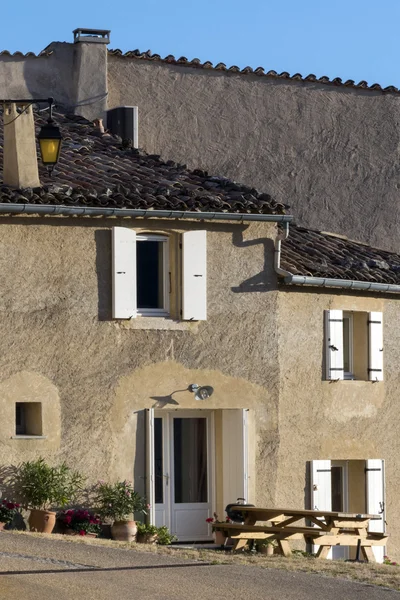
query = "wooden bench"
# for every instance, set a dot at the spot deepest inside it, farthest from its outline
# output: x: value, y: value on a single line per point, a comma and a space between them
x: 324, y: 539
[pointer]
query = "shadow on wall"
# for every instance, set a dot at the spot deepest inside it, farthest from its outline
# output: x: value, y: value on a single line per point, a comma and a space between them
x: 266, y: 280
x: 104, y: 274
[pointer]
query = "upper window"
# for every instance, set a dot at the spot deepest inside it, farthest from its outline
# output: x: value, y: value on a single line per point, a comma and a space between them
x: 348, y: 345
x: 143, y: 284
x: 354, y: 345
x: 152, y: 275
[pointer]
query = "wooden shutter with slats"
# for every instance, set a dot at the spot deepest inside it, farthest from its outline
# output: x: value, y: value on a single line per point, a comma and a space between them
x: 334, y: 344
x: 375, y: 345
x: 124, y: 272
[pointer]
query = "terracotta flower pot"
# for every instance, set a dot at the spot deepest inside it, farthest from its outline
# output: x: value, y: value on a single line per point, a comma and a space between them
x: 268, y: 549
x: 42, y: 521
x: 219, y: 537
x: 123, y: 531
x: 146, y: 538
x: 2, y: 525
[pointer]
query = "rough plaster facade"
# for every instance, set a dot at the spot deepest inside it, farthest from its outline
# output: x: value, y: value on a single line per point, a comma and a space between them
x: 261, y: 348
x: 330, y: 152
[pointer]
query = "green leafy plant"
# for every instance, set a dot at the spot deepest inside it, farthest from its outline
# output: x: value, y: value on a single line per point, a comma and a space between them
x: 164, y: 537
x: 81, y: 521
x: 388, y: 561
x: 118, y: 501
x: 42, y: 486
x: 143, y: 528
x: 267, y: 542
x: 8, y: 510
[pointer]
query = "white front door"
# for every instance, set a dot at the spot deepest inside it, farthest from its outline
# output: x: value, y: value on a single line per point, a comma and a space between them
x: 181, y: 472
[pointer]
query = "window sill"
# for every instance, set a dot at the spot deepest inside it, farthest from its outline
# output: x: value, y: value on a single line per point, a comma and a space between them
x: 166, y: 323
x: 29, y: 437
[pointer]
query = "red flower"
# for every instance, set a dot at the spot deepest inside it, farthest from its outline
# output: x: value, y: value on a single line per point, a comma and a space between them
x: 82, y: 532
x: 209, y: 520
x: 10, y: 505
x: 67, y: 519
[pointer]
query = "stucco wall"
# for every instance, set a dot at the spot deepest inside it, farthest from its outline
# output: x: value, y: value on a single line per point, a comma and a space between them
x: 95, y: 375
x: 329, y: 152
x: 337, y: 420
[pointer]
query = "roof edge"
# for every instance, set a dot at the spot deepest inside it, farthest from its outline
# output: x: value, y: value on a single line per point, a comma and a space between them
x: 260, y: 71
x: 92, y: 211
x: 388, y: 288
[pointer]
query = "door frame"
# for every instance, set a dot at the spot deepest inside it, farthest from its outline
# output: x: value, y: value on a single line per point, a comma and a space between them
x: 167, y: 417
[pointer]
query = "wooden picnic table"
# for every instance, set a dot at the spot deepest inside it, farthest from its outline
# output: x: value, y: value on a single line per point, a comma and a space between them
x: 327, y: 529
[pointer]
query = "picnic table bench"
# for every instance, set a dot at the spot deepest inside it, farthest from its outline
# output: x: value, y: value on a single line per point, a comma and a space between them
x: 327, y: 529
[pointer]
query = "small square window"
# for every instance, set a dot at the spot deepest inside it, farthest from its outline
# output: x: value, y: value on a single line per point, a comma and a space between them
x: 28, y: 418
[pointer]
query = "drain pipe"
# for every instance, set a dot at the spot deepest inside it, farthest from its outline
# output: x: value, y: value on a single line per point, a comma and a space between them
x: 277, y: 257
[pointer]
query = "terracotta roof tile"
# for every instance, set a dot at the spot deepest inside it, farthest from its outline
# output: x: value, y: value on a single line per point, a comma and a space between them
x: 100, y: 170
x: 320, y: 254
x: 27, y: 55
x: 196, y: 63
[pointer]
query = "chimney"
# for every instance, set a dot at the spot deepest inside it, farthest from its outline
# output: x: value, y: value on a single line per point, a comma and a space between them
x: 20, y: 167
x: 90, y: 72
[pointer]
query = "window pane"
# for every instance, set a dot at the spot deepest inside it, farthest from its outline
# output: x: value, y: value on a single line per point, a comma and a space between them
x: 337, y: 489
x: 190, y: 460
x: 346, y: 345
x: 158, y: 462
x: 150, y: 275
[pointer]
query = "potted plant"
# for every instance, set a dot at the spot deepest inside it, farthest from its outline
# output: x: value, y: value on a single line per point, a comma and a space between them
x: 118, y: 502
x: 8, y: 510
x: 80, y: 522
x: 146, y: 534
x: 164, y: 537
x: 266, y: 546
x: 220, y: 536
x: 41, y: 487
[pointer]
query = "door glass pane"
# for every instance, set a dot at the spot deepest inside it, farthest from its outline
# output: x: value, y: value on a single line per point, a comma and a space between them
x: 158, y: 462
x: 190, y: 460
x: 150, y: 275
x: 337, y: 488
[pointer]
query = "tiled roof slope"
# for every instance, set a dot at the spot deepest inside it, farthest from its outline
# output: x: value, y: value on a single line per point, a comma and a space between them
x: 320, y: 254
x: 96, y: 170
x: 19, y: 54
x: 260, y: 71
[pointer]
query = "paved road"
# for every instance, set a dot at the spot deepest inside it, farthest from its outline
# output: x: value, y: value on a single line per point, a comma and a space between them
x: 39, y: 569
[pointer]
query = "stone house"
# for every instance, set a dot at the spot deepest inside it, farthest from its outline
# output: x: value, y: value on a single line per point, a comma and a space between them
x: 128, y: 281
x: 328, y: 148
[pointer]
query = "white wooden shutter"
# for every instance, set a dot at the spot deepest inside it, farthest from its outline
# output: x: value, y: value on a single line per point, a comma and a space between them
x: 194, y: 275
x: 334, y: 344
x: 375, y: 356
x: 124, y: 272
x: 375, y: 486
x: 321, y: 489
x: 150, y: 487
x: 321, y: 485
x: 234, y: 455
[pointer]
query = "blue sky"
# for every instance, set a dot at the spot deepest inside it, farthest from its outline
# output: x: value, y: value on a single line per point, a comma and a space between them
x: 352, y: 39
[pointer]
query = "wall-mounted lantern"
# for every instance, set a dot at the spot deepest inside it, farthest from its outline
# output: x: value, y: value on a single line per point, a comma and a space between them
x: 50, y: 140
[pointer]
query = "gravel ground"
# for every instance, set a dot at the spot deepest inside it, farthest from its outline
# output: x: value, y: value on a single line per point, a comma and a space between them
x: 44, y: 569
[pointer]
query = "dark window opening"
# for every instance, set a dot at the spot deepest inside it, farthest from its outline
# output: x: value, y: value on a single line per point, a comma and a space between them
x: 158, y: 462
x: 337, y: 488
x: 150, y: 274
x: 28, y: 418
x: 190, y: 460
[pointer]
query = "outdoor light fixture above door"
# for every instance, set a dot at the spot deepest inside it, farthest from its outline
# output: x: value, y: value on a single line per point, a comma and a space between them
x: 201, y: 392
